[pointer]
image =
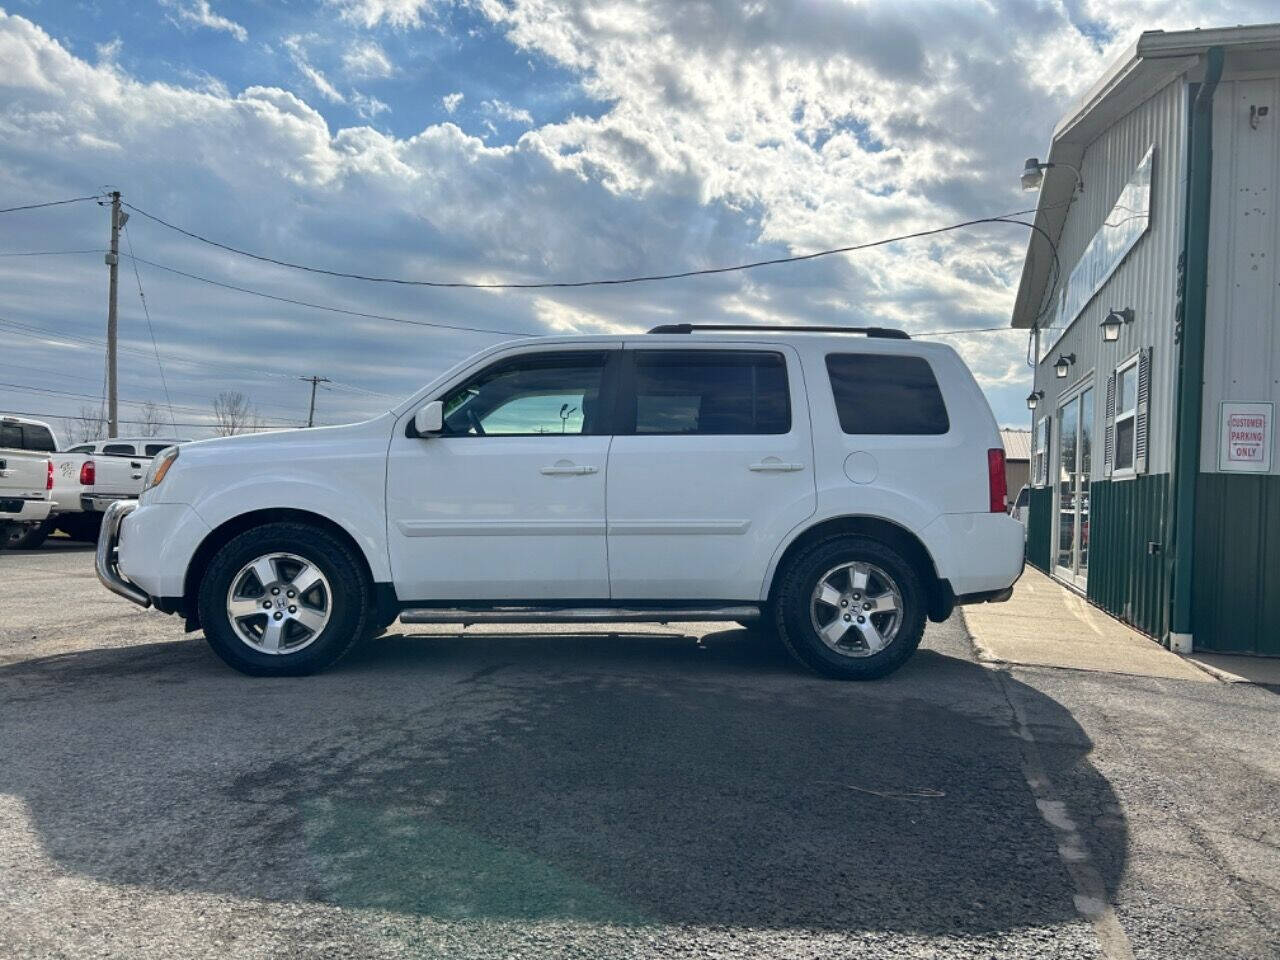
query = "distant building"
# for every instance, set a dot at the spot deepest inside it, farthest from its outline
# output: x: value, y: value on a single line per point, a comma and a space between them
x: 1156, y: 332
x: 1017, y: 460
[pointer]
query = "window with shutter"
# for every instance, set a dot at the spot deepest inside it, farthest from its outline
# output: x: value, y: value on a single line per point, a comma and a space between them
x: 1109, y: 432
x: 1141, y: 417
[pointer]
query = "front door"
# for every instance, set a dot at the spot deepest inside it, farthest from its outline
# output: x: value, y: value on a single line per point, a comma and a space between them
x: 711, y: 466
x: 508, y: 502
x: 1075, y: 458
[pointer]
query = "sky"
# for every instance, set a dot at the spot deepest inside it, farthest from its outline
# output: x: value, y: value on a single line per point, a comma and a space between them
x: 514, y: 141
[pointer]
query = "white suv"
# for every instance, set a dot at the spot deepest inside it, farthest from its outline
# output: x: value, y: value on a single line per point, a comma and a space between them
x: 841, y: 488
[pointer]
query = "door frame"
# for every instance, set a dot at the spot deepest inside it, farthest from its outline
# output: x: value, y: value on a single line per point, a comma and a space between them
x: 1073, y: 576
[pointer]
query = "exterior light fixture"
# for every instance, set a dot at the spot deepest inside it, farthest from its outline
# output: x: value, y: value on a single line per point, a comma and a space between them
x: 1113, y: 322
x: 1033, y: 174
x: 1033, y: 399
x: 1065, y: 360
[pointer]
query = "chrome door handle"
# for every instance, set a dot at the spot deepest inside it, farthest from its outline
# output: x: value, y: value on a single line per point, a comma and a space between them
x: 775, y: 466
x: 567, y: 470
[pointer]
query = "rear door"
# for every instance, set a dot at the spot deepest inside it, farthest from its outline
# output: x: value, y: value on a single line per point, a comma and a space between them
x: 711, y: 466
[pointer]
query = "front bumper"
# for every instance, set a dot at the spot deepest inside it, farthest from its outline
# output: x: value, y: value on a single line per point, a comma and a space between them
x: 106, y: 561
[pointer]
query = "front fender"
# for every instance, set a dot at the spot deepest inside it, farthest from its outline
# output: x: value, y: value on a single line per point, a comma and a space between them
x: 356, y: 508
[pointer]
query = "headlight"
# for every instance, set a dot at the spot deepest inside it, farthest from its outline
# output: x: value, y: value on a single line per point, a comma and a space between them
x: 159, y: 468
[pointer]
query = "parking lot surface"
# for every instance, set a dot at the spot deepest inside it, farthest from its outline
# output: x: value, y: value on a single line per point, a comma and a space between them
x: 681, y: 792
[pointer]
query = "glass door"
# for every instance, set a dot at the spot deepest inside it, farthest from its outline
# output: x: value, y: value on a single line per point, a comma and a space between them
x: 1071, y: 495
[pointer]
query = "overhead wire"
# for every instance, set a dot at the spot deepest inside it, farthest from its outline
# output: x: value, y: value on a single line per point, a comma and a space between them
x: 151, y: 329
x: 49, y: 203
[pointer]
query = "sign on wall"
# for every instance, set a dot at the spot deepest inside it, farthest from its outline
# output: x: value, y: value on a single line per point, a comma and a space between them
x: 1245, y: 437
x: 1123, y: 227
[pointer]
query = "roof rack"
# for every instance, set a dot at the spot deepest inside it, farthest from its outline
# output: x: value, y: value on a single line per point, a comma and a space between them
x: 885, y: 333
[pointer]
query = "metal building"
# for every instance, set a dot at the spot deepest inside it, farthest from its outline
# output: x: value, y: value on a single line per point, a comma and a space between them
x: 1155, y: 331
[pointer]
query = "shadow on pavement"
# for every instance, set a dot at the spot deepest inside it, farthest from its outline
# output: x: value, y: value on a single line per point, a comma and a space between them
x: 623, y: 779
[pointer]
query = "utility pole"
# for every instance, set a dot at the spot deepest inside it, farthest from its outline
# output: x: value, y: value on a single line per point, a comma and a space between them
x: 314, y: 381
x: 113, y: 263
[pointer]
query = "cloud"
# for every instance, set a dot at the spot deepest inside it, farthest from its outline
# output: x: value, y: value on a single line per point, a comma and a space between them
x: 199, y: 13
x: 505, y: 111
x: 366, y: 60
x: 724, y: 133
x: 404, y: 14
x: 298, y: 55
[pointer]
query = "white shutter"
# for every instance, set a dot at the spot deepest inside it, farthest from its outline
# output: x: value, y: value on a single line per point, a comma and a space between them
x: 1141, y: 415
x: 1109, y: 431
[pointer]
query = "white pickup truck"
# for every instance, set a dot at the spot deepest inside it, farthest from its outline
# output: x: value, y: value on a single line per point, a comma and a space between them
x: 25, y: 481
x: 87, y: 478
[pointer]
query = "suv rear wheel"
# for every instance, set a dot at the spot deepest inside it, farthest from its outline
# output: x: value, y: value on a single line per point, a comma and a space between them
x: 851, y: 607
x: 284, y: 599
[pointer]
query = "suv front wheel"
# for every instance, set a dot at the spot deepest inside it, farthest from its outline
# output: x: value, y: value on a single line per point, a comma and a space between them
x: 284, y: 599
x: 851, y: 607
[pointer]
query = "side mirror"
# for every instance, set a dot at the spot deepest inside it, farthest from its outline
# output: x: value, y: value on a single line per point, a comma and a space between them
x: 429, y: 419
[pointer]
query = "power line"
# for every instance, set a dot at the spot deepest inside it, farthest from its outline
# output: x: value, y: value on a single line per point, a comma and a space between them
x: 85, y: 396
x: 76, y: 416
x: 147, y: 313
x: 47, y: 253
x: 49, y: 203
x: 320, y: 306
x: 567, y: 284
x: 40, y: 333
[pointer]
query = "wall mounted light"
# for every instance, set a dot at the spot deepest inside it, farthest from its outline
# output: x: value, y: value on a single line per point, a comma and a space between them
x: 1033, y: 174
x: 1065, y: 360
x: 1114, y: 321
x: 1034, y: 398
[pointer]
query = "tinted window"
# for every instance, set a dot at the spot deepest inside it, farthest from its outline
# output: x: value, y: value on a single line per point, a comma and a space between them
x: 883, y: 394
x: 710, y: 392
x: 36, y: 437
x: 544, y: 393
x: 83, y: 448
x: 154, y: 448
x: 11, y: 436
x: 118, y: 449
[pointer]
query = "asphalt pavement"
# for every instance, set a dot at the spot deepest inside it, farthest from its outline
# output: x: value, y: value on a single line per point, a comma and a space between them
x: 664, y: 792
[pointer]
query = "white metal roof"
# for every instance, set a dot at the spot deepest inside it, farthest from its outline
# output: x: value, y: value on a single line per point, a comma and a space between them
x: 1017, y: 444
x: 1157, y: 58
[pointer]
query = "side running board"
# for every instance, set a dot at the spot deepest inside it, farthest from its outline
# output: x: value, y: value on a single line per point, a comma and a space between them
x: 512, y: 614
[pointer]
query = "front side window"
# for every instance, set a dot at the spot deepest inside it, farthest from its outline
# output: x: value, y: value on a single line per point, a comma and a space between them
x: 710, y: 392
x: 532, y: 395
x: 36, y: 437
x: 886, y: 394
x: 1126, y: 414
x: 83, y: 448
x: 154, y: 448
x: 118, y: 450
x: 11, y: 436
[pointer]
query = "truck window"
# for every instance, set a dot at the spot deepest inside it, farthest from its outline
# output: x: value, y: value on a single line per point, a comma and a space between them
x: 154, y: 448
x: 119, y: 450
x: 83, y: 448
x: 11, y: 436
x: 886, y: 394
x: 709, y: 392
x: 37, y: 437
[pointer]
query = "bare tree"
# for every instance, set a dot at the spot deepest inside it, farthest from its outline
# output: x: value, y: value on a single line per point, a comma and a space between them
x: 151, y: 421
x: 234, y: 414
x: 89, y: 424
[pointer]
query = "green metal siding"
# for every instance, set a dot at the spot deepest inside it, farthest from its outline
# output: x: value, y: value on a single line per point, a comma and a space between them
x: 1236, y: 592
x: 1039, y: 526
x: 1125, y: 579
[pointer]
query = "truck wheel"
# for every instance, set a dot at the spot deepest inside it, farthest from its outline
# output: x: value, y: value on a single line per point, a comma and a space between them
x: 851, y: 608
x: 284, y: 599
x: 27, y: 536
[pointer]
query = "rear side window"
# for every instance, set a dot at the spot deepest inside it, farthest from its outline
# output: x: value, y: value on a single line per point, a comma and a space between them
x: 118, y: 449
x: 154, y: 448
x: 83, y: 448
x: 36, y: 437
x: 885, y: 394
x: 710, y: 392
x: 11, y: 436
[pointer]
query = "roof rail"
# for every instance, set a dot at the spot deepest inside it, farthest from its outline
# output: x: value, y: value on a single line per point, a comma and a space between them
x: 885, y: 333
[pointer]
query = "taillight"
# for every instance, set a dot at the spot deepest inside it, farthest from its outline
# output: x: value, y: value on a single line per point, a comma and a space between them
x: 996, y: 483
x: 88, y: 473
x: 48, y: 479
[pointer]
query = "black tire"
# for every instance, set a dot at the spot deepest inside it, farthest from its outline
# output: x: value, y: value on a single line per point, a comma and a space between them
x: 27, y: 536
x: 350, y: 600
x: 792, y: 611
